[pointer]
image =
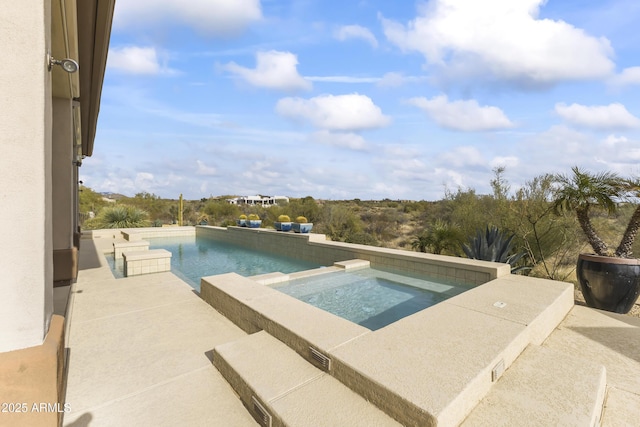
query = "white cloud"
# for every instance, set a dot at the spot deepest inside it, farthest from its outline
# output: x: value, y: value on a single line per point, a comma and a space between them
x: 348, y: 140
x: 342, y: 79
x: 264, y: 173
x: 145, y: 180
x: 406, y: 169
x: 274, y: 70
x: 462, y: 157
x: 565, y: 142
x: 508, y: 162
x: 137, y: 60
x: 215, y: 17
x: 501, y: 39
x: 620, y: 150
x: 628, y: 76
x: 351, y: 112
x: 393, y: 79
x: 205, y: 170
x: 613, y: 140
x: 462, y: 115
x: 612, y: 116
x: 450, y: 178
x: 356, y: 32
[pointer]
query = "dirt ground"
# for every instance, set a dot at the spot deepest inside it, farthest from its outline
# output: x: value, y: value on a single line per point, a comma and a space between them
x: 635, y: 310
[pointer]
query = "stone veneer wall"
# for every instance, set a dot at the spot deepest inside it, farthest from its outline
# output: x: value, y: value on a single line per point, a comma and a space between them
x: 315, y: 248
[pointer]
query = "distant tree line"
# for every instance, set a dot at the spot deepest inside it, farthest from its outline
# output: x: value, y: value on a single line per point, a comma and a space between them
x: 549, y: 242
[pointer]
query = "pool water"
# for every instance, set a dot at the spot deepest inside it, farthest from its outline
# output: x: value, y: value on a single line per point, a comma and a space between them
x: 370, y: 297
x: 195, y: 257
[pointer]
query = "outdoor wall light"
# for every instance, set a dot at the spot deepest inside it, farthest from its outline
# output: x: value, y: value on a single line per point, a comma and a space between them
x: 69, y: 65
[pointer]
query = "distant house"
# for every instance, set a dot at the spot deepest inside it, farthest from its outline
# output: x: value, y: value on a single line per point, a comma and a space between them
x: 264, y: 201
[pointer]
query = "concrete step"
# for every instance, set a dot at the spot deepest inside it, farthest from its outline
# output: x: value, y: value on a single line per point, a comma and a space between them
x: 544, y: 387
x: 612, y: 340
x: 280, y: 388
x: 433, y: 367
x: 622, y: 408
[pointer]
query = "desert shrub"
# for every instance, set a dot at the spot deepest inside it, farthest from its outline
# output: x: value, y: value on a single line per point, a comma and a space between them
x: 362, y: 238
x: 122, y: 217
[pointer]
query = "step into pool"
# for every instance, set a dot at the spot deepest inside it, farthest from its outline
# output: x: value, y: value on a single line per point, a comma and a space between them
x: 371, y: 297
x: 195, y: 257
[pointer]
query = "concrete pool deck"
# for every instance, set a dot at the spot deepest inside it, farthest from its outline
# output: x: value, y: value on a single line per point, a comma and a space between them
x: 140, y: 348
x: 142, y: 352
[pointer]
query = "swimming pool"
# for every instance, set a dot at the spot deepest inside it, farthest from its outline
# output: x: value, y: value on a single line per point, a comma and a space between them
x: 370, y: 297
x: 195, y: 257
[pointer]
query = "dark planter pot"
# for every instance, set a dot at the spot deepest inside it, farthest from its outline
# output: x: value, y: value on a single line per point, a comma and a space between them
x: 241, y: 222
x: 607, y: 283
x: 254, y: 223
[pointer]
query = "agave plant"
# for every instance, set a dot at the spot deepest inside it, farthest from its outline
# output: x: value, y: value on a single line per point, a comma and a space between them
x: 122, y: 217
x: 494, y: 245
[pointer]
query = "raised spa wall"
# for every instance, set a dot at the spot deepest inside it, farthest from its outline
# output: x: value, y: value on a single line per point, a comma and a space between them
x: 316, y: 248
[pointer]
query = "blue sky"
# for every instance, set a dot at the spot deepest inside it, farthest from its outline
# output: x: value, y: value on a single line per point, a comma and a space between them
x: 365, y: 99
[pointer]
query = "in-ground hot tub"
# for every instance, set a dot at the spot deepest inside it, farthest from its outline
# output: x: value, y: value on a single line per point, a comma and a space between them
x: 371, y: 297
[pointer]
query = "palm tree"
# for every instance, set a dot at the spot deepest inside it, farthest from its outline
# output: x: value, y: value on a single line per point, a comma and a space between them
x: 420, y: 243
x: 582, y: 191
x: 437, y: 238
x: 629, y: 236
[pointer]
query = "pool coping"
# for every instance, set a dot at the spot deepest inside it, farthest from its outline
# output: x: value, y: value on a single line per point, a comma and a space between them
x: 355, y: 354
x: 587, y: 334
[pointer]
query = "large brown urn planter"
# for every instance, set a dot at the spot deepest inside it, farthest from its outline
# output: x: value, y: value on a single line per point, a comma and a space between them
x: 608, y: 283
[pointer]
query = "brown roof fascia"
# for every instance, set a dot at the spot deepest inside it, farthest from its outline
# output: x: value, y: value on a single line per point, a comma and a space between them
x: 94, y: 31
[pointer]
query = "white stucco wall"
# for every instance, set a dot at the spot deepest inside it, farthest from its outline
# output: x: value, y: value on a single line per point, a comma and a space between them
x: 26, y: 268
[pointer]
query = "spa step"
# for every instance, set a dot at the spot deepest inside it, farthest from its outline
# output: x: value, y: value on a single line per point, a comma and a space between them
x: 544, y: 387
x: 280, y: 388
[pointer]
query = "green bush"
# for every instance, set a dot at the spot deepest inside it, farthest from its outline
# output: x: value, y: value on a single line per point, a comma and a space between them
x: 284, y: 218
x: 301, y: 220
x: 122, y: 217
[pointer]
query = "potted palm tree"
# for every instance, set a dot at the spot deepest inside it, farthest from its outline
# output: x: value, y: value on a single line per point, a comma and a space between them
x: 609, y: 279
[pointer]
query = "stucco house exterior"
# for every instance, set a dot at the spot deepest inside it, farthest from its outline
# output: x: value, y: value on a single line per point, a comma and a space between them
x: 48, y: 118
x: 264, y: 201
